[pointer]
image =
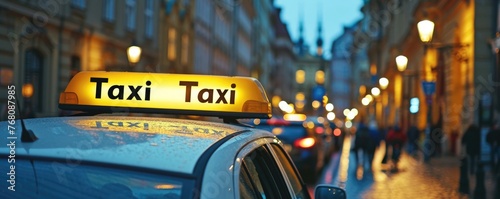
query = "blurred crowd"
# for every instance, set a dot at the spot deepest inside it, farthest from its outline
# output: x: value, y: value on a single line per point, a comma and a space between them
x: 416, y: 142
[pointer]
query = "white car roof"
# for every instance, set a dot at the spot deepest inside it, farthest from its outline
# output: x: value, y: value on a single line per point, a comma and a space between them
x: 166, y: 144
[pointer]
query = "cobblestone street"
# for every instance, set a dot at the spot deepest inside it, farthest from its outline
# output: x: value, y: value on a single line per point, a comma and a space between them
x: 414, y: 179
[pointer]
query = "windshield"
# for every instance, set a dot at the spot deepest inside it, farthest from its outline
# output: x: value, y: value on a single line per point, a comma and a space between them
x: 53, y: 179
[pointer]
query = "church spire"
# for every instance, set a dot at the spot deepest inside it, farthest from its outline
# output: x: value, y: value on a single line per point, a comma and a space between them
x: 319, y: 41
x: 300, y: 42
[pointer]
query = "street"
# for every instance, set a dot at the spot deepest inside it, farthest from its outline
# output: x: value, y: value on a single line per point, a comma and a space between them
x: 414, y: 179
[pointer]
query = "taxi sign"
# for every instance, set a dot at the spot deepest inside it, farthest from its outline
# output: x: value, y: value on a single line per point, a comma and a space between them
x: 222, y: 96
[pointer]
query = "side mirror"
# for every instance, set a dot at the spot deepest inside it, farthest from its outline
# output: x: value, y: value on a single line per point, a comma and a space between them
x: 329, y: 192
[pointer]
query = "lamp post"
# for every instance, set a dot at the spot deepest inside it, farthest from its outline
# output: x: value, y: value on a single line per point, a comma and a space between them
x: 402, y: 64
x: 375, y: 92
x: 383, y: 83
x: 425, y: 31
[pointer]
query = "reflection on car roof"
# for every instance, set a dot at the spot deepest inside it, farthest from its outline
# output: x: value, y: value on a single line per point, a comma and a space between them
x: 154, y: 143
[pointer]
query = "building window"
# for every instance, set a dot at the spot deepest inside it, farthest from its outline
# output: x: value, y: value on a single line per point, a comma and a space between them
x: 300, y: 76
x: 149, y: 18
x: 33, y: 75
x: 80, y: 4
x: 109, y: 10
x: 320, y: 77
x: 171, y: 44
x: 130, y: 11
x: 185, y: 49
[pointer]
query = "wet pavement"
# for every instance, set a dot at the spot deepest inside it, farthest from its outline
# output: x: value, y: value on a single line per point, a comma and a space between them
x: 439, y: 178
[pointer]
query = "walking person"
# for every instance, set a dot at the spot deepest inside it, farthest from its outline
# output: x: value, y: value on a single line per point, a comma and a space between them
x: 383, y: 133
x: 413, y: 136
x: 472, y: 141
x: 493, y: 139
x: 396, y: 139
x: 373, y: 142
x: 361, y: 143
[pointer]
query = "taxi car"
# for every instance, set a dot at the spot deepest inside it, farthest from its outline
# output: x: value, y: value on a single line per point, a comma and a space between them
x: 309, y: 141
x: 302, y: 144
x: 95, y: 154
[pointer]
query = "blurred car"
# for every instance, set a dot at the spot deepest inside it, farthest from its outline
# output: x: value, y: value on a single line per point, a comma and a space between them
x: 308, y: 141
x: 122, y: 156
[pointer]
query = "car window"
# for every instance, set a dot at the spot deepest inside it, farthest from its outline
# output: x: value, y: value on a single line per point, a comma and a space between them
x: 264, y: 177
x: 299, y: 189
x: 248, y: 189
x: 56, y: 179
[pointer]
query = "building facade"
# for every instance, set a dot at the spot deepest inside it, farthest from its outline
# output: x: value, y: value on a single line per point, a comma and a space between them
x: 223, y: 37
x: 45, y: 43
x: 281, y: 83
x: 458, y: 59
x: 176, y: 51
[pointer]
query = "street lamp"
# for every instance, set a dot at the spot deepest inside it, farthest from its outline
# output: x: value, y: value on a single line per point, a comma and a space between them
x: 401, y: 62
x: 425, y: 31
x: 375, y: 91
x: 27, y: 92
x: 384, y: 82
x: 134, y: 54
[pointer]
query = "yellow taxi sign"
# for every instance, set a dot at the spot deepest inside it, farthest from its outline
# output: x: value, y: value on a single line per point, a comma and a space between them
x: 222, y: 96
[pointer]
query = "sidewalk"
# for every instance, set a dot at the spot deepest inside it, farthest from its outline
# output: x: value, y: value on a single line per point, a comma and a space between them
x: 447, y: 170
x: 439, y: 178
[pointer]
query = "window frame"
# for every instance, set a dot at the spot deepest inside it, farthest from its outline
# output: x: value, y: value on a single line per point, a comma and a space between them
x: 277, y: 148
x: 278, y: 181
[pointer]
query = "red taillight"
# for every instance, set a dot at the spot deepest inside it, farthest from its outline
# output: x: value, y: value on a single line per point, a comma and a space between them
x: 277, y: 122
x: 337, y: 132
x: 320, y: 130
x: 305, y: 143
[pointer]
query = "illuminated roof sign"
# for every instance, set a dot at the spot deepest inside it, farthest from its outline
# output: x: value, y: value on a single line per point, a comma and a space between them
x: 236, y: 97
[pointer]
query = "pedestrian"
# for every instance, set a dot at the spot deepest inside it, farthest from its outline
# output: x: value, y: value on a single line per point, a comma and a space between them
x: 384, y: 133
x: 413, y: 136
x: 471, y: 140
x: 373, y: 141
x: 361, y: 143
x: 396, y: 139
x: 453, y: 140
x: 493, y: 139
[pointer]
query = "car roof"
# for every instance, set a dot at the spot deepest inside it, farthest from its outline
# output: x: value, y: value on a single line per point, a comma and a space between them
x: 153, y: 143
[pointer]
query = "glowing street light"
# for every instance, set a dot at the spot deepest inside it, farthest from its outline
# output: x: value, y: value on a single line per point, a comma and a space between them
x: 134, y: 54
x: 365, y: 101
x: 375, y: 91
x: 329, y: 107
x: 425, y: 30
x: 401, y: 62
x: 384, y: 82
